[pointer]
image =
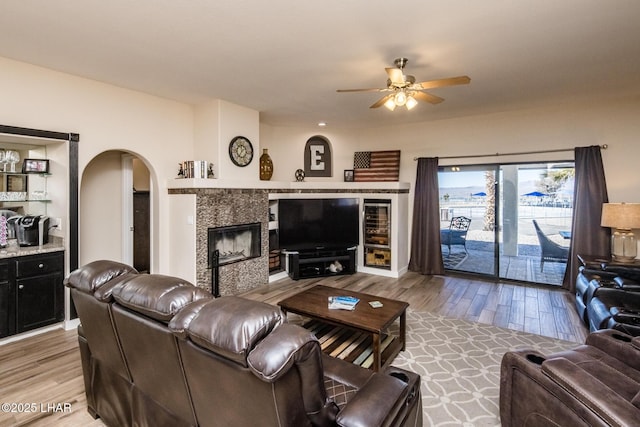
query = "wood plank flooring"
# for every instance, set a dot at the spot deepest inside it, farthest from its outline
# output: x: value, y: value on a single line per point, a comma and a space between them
x: 45, y: 369
x: 543, y: 310
x: 42, y: 377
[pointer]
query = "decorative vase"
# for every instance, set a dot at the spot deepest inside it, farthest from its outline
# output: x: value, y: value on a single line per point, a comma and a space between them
x: 299, y: 175
x: 266, y: 166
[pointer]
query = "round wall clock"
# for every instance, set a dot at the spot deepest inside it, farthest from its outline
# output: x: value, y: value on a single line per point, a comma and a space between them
x: 241, y: 151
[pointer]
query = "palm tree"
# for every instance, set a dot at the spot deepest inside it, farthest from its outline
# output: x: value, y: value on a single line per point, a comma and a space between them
x: 551, y: 181
x: 490, y: 201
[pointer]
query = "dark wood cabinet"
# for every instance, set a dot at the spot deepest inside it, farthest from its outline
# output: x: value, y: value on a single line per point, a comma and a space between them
x: 31, y: 292
x: 7, y: 313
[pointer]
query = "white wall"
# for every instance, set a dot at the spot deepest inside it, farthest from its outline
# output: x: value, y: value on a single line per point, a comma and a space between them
x: 614, y: 123
x: 157, y: 130
x: 101, y: 194
x: 236, y: 120
x: 286, y: 148
x: 216, y: 124
x: 611, y: 122
x: 182, y: 257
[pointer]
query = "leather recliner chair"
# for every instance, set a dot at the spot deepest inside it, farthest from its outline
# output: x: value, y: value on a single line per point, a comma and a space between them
x: 107, y: 380
x: 588, y: 283
x: 157, y: 350
x: 130, y: 363
x: 596, y: 384
x: 616, y: 308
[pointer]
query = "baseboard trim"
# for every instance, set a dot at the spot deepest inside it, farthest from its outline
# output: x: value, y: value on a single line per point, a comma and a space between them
x: 29, y: 334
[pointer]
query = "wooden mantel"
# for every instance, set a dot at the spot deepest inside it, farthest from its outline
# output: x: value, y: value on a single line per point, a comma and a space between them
x: 177, y: 186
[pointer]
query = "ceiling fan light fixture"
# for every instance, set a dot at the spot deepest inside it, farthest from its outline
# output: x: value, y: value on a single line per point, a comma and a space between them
x: 390, y: 104
x: 402, y: 88
x: 411, y: 102
x: 400, y: 98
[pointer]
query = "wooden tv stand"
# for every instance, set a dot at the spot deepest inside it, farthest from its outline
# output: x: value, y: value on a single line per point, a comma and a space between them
x: 317, y: 262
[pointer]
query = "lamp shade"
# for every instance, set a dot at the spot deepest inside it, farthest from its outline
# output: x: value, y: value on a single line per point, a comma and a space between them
x: 411, y: 102
x: 390, y: 104
x: 401, y: 97
x: 624, y: 216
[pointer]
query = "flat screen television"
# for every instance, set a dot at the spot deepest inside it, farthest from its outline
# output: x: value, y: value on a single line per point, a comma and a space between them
x: 308, y: 224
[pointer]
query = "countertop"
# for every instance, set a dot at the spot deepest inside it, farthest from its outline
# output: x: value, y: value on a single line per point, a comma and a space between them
x: 13, y: 250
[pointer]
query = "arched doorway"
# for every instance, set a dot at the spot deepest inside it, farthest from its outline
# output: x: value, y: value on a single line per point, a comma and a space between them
x: 116, y: 209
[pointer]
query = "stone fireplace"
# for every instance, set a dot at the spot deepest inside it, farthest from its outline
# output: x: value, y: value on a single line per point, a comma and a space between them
x: 246, y: 212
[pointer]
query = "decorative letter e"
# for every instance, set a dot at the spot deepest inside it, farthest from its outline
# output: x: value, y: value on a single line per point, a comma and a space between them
x: 317, y: 152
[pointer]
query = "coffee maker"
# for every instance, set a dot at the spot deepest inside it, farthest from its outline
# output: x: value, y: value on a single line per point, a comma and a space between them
x: 32, y: 230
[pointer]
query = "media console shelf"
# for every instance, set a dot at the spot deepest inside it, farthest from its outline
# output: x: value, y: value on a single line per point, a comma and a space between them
x: 321, y: 262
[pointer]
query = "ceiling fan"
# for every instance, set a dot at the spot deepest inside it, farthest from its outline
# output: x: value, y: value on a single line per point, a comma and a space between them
x: 405, y: 91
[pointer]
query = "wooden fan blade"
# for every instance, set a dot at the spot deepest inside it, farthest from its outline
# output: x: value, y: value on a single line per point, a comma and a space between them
x: 395, y: 75
x: 451, y: 81
x: 363, y: 90
x: 427, y: 97
x: 381, y: 101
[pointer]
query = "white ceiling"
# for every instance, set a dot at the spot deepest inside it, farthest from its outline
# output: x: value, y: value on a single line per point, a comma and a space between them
x: 286, y: 58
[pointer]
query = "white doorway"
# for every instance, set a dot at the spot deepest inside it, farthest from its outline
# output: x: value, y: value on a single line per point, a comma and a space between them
x: 108, y: 187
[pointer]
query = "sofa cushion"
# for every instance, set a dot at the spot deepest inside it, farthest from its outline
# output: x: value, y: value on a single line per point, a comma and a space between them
x: 96, y: 274
x: 231, y: 326
x: 157, y: 296
x: 182, y: 320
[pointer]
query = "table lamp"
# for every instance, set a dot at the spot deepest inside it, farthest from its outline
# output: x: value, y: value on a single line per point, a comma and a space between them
x: 622, y: 218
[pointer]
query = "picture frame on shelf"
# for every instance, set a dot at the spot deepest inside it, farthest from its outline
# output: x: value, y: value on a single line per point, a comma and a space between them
x: 16, y: 183
x: 35, y: 166
x: 348, y: 175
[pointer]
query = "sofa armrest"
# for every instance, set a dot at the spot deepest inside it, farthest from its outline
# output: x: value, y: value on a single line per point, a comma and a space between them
x: 597, y: 274
x: 589, y: 391
x: 617, y: 344
x: 626, y: 284
x: 276, y: 355
x: 378, y: 403
x: 285, y: 346
x: 627, y: 271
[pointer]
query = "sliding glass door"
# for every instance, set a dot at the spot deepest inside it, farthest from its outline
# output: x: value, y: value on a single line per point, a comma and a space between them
x: 468, y: 218
x: 507, y: 221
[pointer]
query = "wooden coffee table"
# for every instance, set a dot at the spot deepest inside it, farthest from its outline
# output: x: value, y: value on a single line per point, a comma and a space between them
x: 313, y: 303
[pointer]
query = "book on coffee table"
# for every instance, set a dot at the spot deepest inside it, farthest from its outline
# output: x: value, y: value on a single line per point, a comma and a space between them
x: 343, y: 303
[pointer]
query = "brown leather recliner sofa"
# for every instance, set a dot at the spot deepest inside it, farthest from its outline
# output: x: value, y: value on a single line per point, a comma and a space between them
x: 595, y: 384
x: 157, y: 350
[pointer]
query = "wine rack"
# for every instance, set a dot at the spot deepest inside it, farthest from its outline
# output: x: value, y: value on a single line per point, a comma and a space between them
x: 377, y: 233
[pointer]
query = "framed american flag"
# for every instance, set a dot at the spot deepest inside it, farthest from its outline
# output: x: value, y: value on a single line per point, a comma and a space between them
x: 376, y: 166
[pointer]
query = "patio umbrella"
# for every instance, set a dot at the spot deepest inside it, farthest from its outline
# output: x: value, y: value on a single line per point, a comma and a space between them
x: 535, y: 194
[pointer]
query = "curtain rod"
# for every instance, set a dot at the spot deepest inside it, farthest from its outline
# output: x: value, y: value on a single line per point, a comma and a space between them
x: 470, y: 156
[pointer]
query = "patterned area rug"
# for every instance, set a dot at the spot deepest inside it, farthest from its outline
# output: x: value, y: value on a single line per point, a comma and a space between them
x: 459, y: 363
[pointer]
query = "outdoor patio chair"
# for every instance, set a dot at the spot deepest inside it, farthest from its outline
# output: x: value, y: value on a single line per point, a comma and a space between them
x: 551, y: 251
x: 456, y: 234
